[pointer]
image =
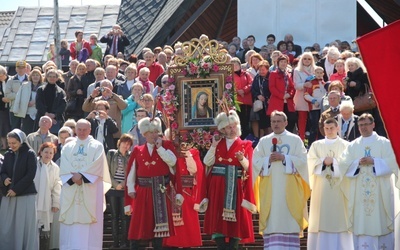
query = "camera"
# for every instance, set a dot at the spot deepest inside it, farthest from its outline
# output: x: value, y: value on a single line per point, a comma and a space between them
x: 101, y: 90
x: 97, y: 113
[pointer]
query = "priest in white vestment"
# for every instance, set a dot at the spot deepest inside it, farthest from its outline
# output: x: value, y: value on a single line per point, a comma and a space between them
x: 85, y: 177
x: 372, y: 165
x: 280, y: 162
x: 328, y: 227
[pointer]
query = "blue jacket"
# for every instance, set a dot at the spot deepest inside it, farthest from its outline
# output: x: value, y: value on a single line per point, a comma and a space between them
x: 128, y: 115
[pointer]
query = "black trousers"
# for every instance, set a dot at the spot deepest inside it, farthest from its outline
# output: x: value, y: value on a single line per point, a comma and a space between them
x: 120, y: 221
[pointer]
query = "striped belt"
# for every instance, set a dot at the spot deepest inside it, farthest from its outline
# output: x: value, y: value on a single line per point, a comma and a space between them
x: 221, y: 170
x: 147, y: 181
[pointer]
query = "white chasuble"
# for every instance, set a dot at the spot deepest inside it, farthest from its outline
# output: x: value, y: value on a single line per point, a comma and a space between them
x: 79, y: 202
x: 371, y: 195
x: 328, y: 208
x: 283, y: 186
x: 82, y: 207
x: 329, y: 223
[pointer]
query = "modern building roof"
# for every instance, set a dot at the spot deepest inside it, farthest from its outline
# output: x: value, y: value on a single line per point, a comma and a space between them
x: 31, y: 30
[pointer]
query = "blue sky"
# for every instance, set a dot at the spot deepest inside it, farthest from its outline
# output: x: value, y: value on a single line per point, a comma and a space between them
x: 13, y: 5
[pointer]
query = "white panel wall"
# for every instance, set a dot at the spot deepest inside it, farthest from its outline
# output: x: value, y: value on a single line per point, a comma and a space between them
x: 309, y: 21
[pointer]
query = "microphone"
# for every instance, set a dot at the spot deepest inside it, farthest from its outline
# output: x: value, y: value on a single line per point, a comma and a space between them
x: 274, y: 142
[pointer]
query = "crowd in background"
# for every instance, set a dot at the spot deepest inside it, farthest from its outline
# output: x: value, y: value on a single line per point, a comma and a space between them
x: 113, y: 92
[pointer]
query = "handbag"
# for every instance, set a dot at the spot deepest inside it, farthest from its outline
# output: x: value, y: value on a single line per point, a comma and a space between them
x: 364, y: 102
x: 257, y: 105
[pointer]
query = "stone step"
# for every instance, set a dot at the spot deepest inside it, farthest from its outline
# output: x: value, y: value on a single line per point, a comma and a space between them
x: 207, y: 242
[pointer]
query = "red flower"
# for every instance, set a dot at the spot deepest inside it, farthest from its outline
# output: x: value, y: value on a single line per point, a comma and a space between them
x: 215, y: 68
x: 195, y: 136
x: 207, y: 136
x: 174, y: 125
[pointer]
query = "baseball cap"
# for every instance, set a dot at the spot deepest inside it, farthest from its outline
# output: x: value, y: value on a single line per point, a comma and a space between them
x: 20, y: 64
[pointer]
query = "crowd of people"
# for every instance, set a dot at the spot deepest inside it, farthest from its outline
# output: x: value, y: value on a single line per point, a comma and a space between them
x: 92, y: 131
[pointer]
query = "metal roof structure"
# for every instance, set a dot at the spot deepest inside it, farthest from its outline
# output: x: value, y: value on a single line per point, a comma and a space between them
x: 149, y: 23
x: 31, y: 30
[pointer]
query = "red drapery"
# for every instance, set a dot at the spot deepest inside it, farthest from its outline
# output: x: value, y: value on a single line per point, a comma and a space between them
x: 380, y: 52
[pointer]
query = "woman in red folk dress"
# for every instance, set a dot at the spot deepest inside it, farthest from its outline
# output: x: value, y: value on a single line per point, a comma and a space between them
x: 229, y: 185
x: 190, y: 173
x: 150, y: 169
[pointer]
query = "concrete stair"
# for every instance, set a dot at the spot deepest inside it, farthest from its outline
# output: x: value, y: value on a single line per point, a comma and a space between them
x: 207, y: 242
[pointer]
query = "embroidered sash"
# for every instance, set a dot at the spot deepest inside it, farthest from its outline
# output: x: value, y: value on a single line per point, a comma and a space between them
x: 176, y: 210
x: 157, y: 184
x: 231, y: 173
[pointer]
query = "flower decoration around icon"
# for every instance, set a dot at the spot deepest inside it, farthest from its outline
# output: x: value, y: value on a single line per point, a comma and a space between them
x: 170, y: 104
x: 200, y: 138
x: 200, y: 67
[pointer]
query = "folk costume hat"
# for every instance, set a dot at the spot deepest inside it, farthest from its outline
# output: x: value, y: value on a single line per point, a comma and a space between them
x: 224, y: 119
x: 148, y: 125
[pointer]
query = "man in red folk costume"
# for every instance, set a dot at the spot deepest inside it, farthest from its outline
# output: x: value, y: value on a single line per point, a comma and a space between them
x: 190, y: 176
x: 150, y: 169
x: 229, y: 185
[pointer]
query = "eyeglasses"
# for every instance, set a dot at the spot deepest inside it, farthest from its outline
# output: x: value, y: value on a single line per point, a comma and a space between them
x: 307, y: 58
x: 147, y: 100
x: 164, y: 82
x: 364, y: 124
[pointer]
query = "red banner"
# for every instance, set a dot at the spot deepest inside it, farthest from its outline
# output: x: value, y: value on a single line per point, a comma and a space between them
x: 380, y: 52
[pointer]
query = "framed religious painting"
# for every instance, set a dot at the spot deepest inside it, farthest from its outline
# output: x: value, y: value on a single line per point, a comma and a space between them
x: 199, y: 100
x: 200, y: 80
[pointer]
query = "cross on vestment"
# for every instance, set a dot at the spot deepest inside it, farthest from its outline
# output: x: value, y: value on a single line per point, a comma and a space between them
x: 367, y: 152
x: 383, y: 247
x: 365, y: 245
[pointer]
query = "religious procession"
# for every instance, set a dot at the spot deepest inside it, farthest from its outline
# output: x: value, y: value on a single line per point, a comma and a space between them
x: 203, y: 144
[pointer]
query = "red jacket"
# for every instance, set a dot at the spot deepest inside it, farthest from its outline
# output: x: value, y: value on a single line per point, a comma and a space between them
x: 155, y: 71
x: 277, y: 89
x: 244, y: 82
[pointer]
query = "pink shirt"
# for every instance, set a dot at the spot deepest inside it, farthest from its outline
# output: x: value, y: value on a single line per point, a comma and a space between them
x: 337, y: 77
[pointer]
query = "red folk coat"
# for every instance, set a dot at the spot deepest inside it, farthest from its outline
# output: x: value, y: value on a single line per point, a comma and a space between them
x: 188, y: 235
x: 142, y: 221
x: 213, y: 221
x: 277, y: 89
